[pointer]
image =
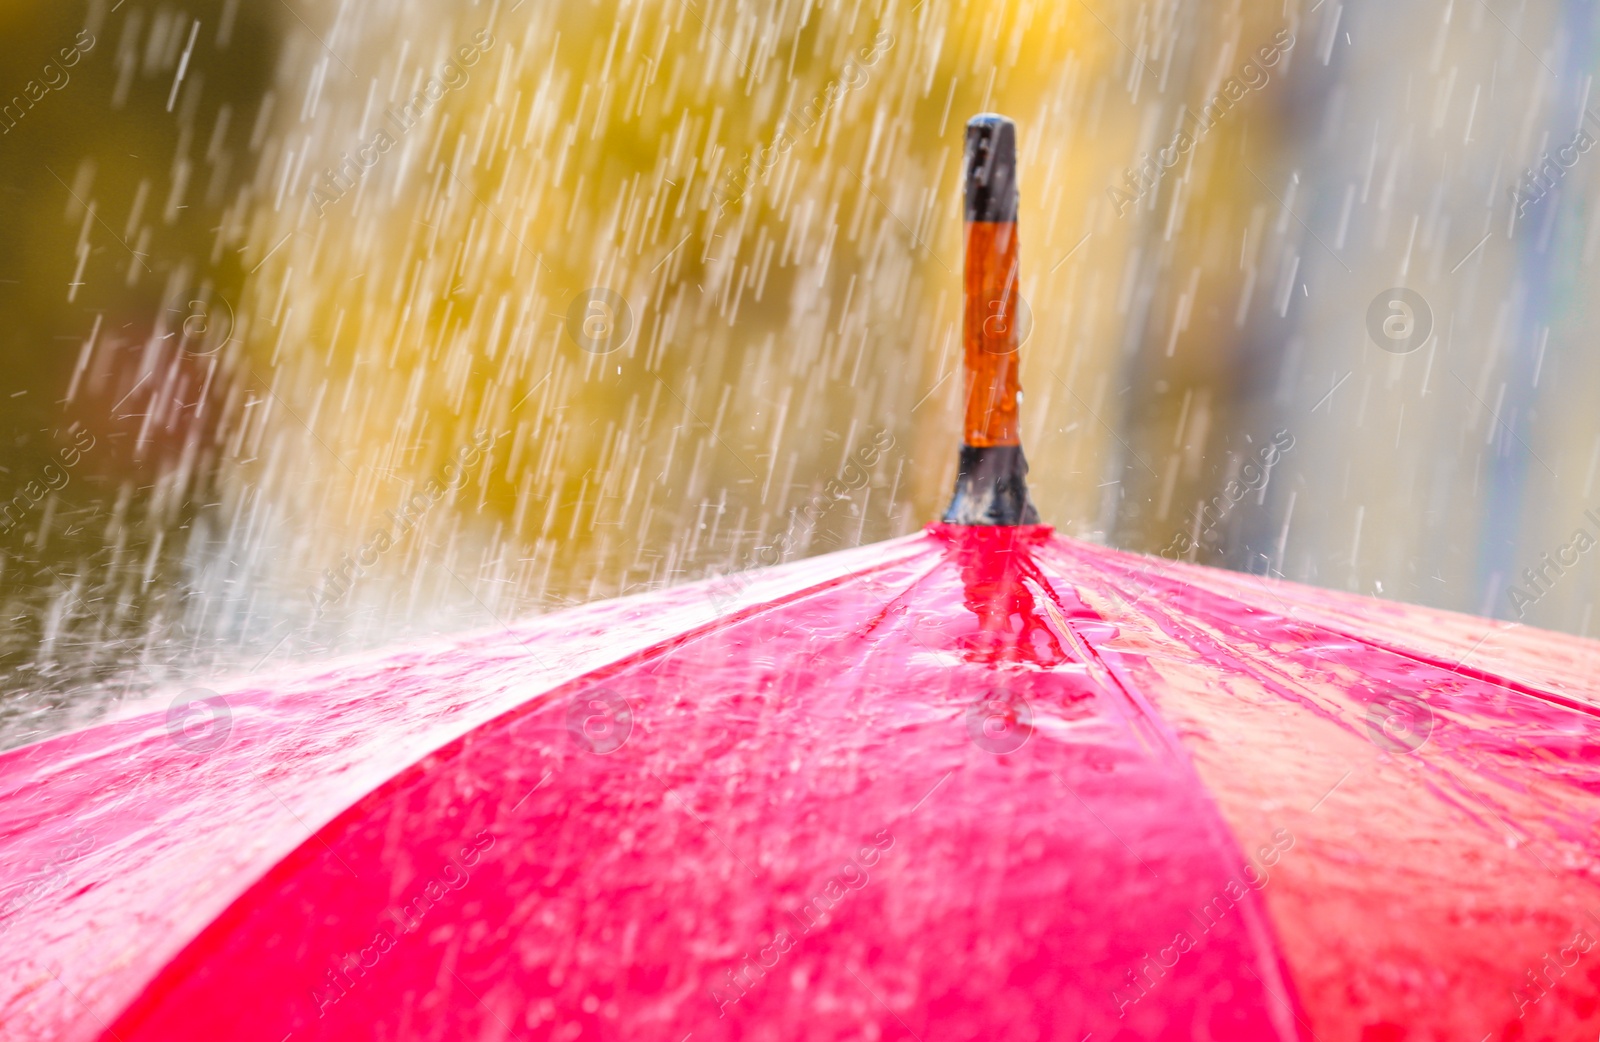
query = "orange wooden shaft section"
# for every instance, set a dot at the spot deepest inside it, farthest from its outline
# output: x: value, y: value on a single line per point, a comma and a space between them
x: 990, y: 334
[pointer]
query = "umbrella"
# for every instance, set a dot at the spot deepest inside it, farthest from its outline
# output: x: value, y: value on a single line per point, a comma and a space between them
x: 983, y: 781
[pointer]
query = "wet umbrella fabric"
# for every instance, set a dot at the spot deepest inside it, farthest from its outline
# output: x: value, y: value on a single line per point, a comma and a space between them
x: 977, y: 782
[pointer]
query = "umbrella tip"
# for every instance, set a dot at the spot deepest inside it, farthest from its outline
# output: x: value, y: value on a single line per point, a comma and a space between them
x: 991, y: 479
x: 991, y: 161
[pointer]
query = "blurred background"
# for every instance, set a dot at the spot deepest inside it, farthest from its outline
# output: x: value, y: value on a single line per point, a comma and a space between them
x: 327, y: 325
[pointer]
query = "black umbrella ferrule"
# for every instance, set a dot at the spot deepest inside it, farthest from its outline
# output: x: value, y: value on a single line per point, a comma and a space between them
x: 991, y: 162
x: 991, y: 488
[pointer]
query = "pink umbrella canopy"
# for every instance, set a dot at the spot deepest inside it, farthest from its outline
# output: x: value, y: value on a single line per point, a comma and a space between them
x: 984, y: 781
x: 973, y: 783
